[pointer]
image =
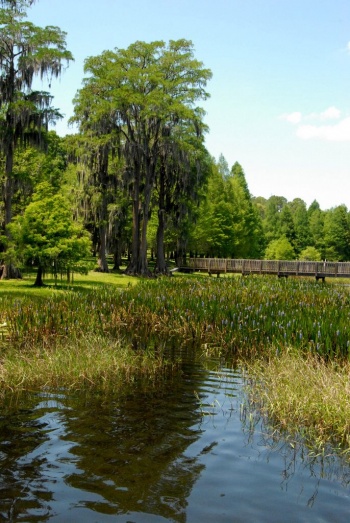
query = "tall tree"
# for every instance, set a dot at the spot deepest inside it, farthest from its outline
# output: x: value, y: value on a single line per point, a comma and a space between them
x: 182, y: 171
x: 95, y: 146
x: 337, y: 234
x: 223, y: 167
x: 213, y: 233
x: 272, y: 221
x: 316, y: 227
x: 301, y: 224
x: 248, y: 226
x: 144, y: 89
x: 25, y: 51
x: 287, y: 228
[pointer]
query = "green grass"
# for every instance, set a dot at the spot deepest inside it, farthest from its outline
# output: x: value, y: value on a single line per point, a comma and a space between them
x: 88, y: 362
x: 64, y: 356
x: 304, y: 396
x: 106, y: 329
x: 81, y: 282
x: 242, y: 315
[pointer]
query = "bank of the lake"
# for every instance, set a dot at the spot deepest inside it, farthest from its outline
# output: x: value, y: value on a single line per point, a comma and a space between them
x: 102, y: 336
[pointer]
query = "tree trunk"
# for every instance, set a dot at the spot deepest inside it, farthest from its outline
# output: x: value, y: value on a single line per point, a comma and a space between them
x: 102, y: 256
x: 39, y: 277
x: 117, y: 257
x: 144, y: 271
x: 149, y: 182
x: 133, y: 266
x: 8, y: 186
x: 9, y: 270
x: 161, y: 266
x: 180, y: 257
x: 139, y: 263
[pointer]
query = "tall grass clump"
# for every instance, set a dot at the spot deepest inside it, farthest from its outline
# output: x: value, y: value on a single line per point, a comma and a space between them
x: 90, y: 362
x: 65, y: 340
x: 305, y: 396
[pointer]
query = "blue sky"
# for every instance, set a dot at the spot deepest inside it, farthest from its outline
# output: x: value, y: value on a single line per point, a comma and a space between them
x: 280, y: 92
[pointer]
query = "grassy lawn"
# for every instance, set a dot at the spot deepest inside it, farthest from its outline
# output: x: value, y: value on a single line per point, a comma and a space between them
x: 80, y: 282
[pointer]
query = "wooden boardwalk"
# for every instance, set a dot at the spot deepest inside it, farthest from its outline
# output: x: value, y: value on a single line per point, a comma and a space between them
x: 319, y: 270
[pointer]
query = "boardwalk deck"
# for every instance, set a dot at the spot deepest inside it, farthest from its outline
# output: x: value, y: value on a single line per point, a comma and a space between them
x: 281, y: 268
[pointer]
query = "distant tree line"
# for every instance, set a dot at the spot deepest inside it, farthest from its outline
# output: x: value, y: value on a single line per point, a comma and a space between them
x: 232, y: 223
x: 136, y: 181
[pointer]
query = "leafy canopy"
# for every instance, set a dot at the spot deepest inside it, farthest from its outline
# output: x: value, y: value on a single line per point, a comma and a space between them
x: 46, y: 234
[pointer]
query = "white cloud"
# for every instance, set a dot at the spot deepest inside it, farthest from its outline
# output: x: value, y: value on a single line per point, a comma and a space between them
x: 348, y: 47
x: 292, y: 117
x: 339, y: 132
x: 332, y: 113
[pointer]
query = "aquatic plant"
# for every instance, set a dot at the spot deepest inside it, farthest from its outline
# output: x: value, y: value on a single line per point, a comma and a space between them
x: 305, y: 396
x: 242, y: 315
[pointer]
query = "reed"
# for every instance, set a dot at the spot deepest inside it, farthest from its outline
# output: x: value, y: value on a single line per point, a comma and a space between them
x: 304, y: 395
x: 108, y: 336
x: 245, y: 316
x: 90, y: 362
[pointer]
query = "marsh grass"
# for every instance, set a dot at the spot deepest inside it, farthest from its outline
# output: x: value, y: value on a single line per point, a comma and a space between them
x: 304, y: 395
x: 244, y: 316
x: 101, y: 335
x: 90, y: 362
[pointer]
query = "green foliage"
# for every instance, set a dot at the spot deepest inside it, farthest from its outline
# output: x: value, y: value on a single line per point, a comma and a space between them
x: 139, y: 100
x: 26, y: 51
x: 229, y: 224
x: 310, y: 254
x: 316, y: 227
x: 47, y: 236
x: 301, y: 224
x: 214, y: 234
x: 248, y: 225
x: 33, y: 166
x: 272, y: 217
x: 337, y: 234
x: 280, y: 249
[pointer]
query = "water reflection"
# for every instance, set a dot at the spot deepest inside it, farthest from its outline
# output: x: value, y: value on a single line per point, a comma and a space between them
x: 186, y: 451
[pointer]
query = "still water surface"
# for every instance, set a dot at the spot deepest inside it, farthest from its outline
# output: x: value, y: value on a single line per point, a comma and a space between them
x: 187, y: 451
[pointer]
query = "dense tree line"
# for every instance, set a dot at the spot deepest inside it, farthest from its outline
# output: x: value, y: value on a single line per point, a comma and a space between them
x: 136, y: 179
x: 233, y: 223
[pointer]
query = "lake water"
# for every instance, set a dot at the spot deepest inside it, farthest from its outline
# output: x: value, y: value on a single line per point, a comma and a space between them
x: 185, y: 451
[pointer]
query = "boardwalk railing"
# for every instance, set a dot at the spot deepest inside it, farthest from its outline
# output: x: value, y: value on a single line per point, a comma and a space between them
x: 282, y: 268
